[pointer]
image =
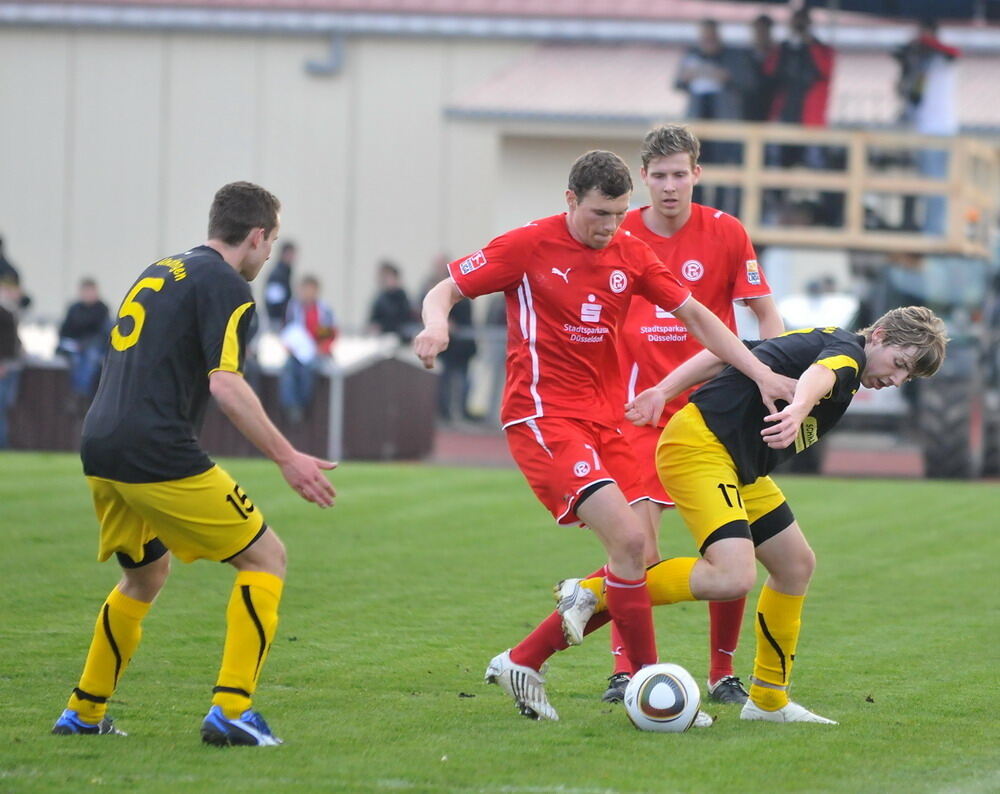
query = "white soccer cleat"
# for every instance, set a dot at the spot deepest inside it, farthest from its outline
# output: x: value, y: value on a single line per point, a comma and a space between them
x: 525, y: 685
x: 703, y: 720
x: 793, y: 712
x: 576, y: 606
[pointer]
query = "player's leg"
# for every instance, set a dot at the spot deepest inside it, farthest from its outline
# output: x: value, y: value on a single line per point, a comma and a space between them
x: 624, y: 537
x: 649, y: 513
x: 790, y: 563
x: 251, y: 622
x: 116, y: 637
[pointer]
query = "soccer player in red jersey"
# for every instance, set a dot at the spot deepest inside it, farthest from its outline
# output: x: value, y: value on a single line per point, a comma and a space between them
x: 568, y: 280
x: 710, y: 253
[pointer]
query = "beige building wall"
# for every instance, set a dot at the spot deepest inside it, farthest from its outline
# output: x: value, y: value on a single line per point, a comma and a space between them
x: 113, y: 143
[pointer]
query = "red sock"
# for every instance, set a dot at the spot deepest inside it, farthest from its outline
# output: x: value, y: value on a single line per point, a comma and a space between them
x: 547, y: 638
x: 622, y: 663
x: 630, y: 608
x: 725, y: 621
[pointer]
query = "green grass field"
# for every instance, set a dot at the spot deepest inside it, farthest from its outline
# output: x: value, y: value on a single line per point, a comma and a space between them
x: 399, y: 596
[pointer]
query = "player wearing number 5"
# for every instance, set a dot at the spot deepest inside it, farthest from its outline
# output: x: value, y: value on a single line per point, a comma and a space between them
x: 180, y: 336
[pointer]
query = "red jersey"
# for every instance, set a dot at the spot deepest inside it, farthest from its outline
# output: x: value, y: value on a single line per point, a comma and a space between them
x: 712, y: 255
x: 565, y: 302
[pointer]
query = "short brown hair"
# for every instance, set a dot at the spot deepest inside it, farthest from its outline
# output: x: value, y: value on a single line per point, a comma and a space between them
x: 669, y: 139
x: 240, y: 207
x: 917, y: 326
x: 605, y: 171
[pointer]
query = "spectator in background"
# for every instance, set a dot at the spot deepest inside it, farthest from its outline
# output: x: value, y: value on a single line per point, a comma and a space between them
x: 715, y: 78
x: 10, y: 352
x: 926, y: 86
x: 9, y: 275
x: 711, y: 74
x: 278, y: 290
x: 802, y: 68
x: 309, y: 333
x: 454, y: 384
x: 83, y: 339
x: 391, y: 311
x: 759, y: 93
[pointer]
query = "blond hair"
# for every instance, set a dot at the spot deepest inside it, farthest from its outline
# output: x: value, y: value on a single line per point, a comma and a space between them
x: 669, y: 139
x: 917, y: 326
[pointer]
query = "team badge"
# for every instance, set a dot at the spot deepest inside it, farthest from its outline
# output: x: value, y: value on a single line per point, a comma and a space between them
x: 753, y: 272
x: 474, y: 262
x: 692, y: 270
x: 581, y: 468
x: 619, y: 281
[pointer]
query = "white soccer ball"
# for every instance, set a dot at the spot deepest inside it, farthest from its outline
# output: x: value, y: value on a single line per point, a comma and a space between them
x: 662, y: 697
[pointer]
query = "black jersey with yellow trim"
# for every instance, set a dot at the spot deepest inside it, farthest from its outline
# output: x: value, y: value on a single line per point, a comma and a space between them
x: 732, y: 408
x: 185, y: 317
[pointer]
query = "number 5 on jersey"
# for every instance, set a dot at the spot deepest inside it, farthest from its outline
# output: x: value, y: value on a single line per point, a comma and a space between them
x: 132, y: 308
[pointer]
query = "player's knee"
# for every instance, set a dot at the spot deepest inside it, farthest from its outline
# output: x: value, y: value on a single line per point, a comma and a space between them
x: 738, y: 581
x: 802, y: 566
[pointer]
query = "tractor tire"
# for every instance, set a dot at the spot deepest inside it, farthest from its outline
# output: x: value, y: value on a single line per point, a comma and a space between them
x: 945, y: 429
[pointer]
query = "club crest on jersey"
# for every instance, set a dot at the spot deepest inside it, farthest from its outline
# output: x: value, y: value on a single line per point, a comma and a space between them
x: 590, y: 312
x: 618, y: 282
x: 581, y: 468
x: 692, y: 270
x: 753, y: 272
x: 474, y: 262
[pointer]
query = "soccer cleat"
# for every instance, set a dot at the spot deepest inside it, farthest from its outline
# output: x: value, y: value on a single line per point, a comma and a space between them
x: 792, y: 712
x: 249, y: 729
x: 575, y: 605
x: 703, y: 720
x: 728, y: 689
x: 615, y: 693
x: 69, y: 723
x: 525, y: 685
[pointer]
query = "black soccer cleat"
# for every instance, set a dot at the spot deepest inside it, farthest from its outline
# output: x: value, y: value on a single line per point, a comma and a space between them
x: 615, y: 692
x: 728, y: 689
x: 249, y: 730
x: 70, y: 724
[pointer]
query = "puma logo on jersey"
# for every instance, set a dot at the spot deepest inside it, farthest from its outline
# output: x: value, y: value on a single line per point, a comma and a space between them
x: 564, y: 276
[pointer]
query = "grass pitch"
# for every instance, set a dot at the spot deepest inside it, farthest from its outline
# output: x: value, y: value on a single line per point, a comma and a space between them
x: 399, y: 596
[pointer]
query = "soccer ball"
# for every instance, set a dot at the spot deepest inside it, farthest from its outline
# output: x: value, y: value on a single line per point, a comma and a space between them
x: 662, y: 697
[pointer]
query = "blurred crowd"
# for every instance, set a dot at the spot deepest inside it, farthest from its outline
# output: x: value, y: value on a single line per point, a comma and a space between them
x: 789, y: 82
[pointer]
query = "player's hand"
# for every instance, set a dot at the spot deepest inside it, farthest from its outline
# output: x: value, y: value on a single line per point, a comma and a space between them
x: 429, y: 343
x: 646, y: 408
x: 774, y: 387
x: 304, y: 474
x: 784, y: 427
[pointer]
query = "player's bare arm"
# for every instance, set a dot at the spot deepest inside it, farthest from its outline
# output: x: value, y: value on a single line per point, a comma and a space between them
x: 304, y: 473
x: 769, y: 322
x: 648, y: 405
x: 713, y: 334
x: 815, y: 382
x: 433, y: 339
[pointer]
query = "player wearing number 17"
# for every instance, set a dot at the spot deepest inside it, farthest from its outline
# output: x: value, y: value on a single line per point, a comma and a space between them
x: 180, y: 336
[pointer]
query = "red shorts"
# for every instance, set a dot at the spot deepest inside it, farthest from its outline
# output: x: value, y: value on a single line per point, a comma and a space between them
x: 561, y: 457
x: 643, y: 441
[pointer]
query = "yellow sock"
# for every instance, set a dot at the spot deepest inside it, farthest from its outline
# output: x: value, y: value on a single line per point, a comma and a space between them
x: 116, y: 636
x: 669, y: 581
x: 251, y: 620
x: 779, y: 618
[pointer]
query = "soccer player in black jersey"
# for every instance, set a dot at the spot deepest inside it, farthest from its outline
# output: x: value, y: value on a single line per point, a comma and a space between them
x: 180, y: 335
x: 714, y: 457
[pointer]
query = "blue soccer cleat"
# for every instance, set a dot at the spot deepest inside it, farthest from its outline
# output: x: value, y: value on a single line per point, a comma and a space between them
x: 69, y: 723
x: 249, y: 729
